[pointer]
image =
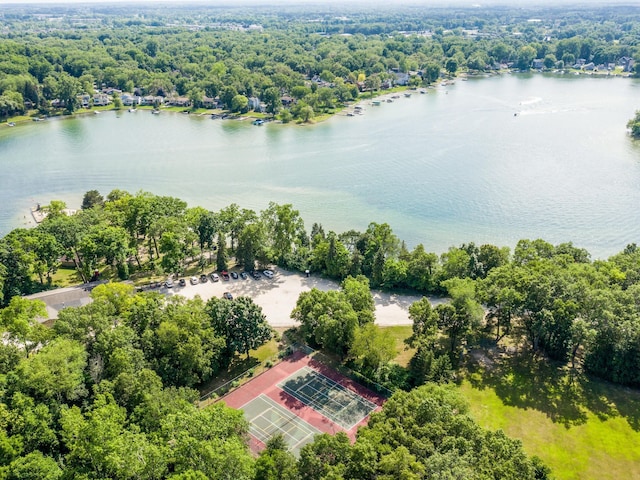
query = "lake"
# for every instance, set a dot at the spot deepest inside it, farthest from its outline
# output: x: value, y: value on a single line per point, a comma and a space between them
x: 489, y: 160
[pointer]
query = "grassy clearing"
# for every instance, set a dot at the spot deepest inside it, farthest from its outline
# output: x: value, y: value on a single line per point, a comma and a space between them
x: 400, y: 333
x: 581, y: 427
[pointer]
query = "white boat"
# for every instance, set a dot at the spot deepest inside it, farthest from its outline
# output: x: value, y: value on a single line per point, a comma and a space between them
x: 11, y: 124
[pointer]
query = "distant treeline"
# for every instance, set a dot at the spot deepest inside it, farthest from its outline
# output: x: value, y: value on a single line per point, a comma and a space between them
x: 297, y: 62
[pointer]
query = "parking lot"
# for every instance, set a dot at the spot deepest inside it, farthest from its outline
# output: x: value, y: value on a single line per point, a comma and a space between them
x: 278, y: 296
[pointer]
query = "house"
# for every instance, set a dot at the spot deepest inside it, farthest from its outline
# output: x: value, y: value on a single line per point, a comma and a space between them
x: 179, y: 101
x: 84, y: 100
x: 537, y: 64
x: 129, y: 99
x: 208, y: 102
x: 101, y: 100
x: 590, y: 67
x: 402, y: 78
x: 626, y: 63
x: 286, y: 100
x: 151, y: 100
x: 254, y: 104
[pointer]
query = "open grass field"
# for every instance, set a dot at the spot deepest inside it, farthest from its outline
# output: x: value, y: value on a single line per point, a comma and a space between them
x: 581, y: 427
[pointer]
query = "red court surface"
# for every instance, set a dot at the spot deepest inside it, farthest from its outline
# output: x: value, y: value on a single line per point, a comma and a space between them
x: 267, y: 384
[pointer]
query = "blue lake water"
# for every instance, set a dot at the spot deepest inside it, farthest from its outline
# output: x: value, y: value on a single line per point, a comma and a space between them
x: 485, y: 160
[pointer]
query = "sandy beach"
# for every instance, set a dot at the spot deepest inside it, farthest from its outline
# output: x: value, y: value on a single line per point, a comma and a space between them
x: 278, y: 296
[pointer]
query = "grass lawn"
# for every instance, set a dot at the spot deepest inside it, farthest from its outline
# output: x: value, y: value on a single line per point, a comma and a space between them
x: 400, y: 333
x: 582, y: 428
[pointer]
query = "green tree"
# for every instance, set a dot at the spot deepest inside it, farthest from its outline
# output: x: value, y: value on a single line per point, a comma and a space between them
x: 634, y: 125
x: 92, y: 199
x: 327, y: 319
x: 241, y: 322
x: 34, y: 466
x: 372, y: 348
x: 55, y: 375
x: 21, y: 320
x: 276, y: 462
x: 358, y: 294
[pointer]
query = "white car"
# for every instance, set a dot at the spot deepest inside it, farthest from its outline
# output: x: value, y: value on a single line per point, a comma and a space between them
x: 268, y: 273
x: 194, y: 280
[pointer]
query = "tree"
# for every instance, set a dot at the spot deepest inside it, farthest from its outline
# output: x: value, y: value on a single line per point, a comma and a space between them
x: 92, y: 199
x: 34, y: 466
x: 271, y: 98
x: 526, y: 54
x: 241, y: 322
x: 251, y: 243
x: 358, y: 294
x: 284, y: 227
x: 634, y: 125
x: 101, y: 446
x: 451, y: 66
x: 240, y: 104
x: 21, y: 319
x: 275, y: 462
x: 326, y: 457
x: 462, y: 314
x: 327, y: 319
x: 55, y: 375
x: 425, y: 322
x: 68, y: 89
x: 372, y: 348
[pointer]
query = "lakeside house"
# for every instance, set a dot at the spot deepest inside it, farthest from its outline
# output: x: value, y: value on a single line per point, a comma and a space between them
x: 178, y: 101
x: 84, y: 100
x: 151, y: 100
x: 129, y: 99
x: 101, y: 100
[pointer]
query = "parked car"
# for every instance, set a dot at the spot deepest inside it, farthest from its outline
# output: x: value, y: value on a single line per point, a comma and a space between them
x: 225, y: 275
x: 214, y: 277
x: 227, y: 295
x: 182, y: 282
x: 255, y: 274
x: 169, y: 283
x: 194, y: 280
x: 244, y: 275
x: 234, y: 275
x: 268, y: 273
x: 203, y: 278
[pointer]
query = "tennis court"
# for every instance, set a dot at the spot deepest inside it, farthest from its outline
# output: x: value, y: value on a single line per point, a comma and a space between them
x: 267, y: 418
x: 337, y: 403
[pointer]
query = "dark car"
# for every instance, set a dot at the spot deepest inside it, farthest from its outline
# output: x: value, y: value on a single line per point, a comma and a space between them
x: 234, y: 275
x: 182, y: 282
x: 255, y: 274
x: 203, y: 278
x: 227, y: 295
x: 244, y: 275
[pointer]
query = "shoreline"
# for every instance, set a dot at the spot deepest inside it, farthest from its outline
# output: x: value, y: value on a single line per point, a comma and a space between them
x: 11, y: 122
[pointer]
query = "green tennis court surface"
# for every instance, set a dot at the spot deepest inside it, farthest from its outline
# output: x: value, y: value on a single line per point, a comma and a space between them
x: 266, y: 418
x: 329, y: 398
